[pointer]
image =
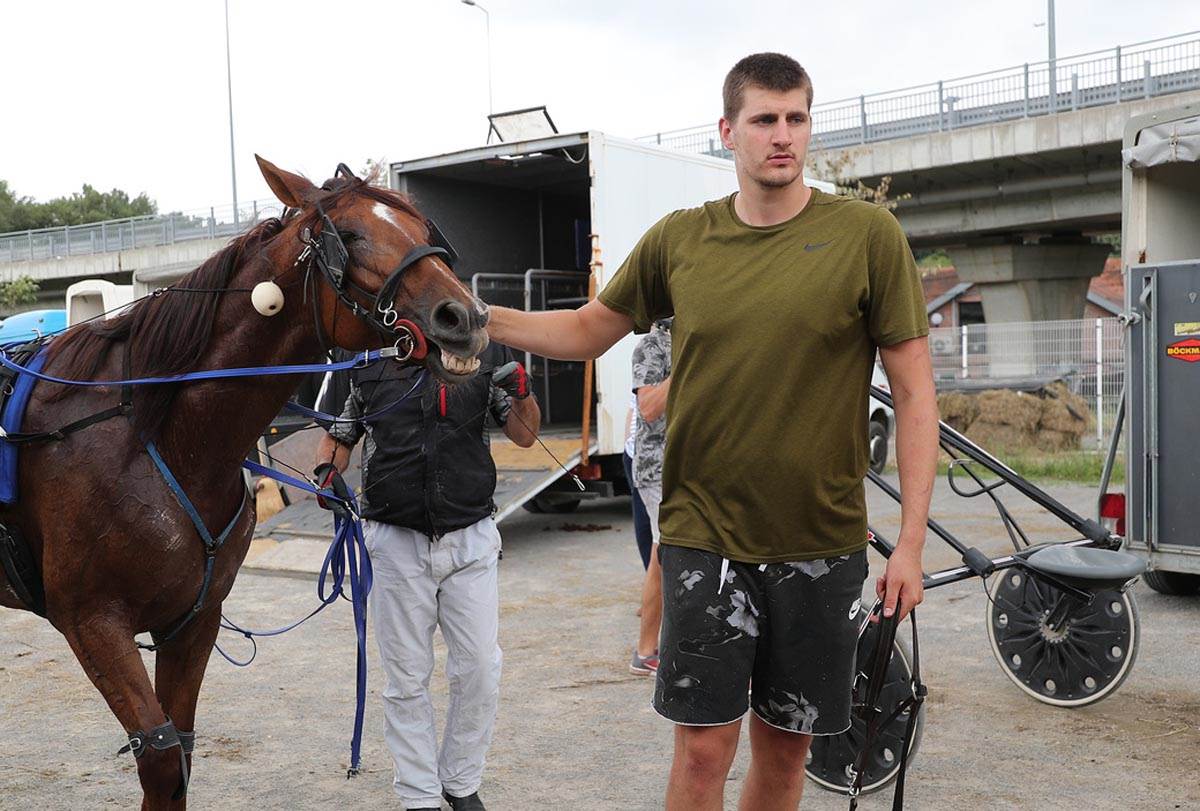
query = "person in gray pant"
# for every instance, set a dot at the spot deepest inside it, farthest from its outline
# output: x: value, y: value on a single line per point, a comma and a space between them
x: 428, y: 480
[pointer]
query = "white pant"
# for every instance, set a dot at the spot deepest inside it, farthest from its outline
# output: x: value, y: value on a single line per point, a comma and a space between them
x: 421, y: 584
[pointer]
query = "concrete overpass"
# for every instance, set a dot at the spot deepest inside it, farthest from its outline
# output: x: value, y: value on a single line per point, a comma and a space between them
x: 151, y: 247
x: 1033, y: 176
x: 55, y: 275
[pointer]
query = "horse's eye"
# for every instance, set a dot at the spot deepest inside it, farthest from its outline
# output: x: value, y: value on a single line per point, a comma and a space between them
x: 348, y: 236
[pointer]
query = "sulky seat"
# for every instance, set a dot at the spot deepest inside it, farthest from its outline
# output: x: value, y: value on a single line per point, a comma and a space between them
x: 1086, y: 568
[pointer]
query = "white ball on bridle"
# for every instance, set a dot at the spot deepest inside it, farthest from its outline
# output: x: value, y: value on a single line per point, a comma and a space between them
x: 267, y: 298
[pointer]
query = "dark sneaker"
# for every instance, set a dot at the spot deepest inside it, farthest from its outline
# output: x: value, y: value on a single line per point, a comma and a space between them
x: 469, y: 803
x: 644, y: 665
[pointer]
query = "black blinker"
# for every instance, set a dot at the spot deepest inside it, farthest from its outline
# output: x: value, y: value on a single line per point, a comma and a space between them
x: 334, y: 250
x: 438, y: 240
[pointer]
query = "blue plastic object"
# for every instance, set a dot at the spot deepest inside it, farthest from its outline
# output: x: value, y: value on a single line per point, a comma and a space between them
x: 32, y: 324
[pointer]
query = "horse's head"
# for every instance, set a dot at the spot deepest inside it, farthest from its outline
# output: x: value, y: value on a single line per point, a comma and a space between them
x: 386, y: 272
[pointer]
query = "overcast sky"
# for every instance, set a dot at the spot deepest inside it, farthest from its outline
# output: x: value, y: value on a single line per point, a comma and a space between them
x: 132, y: 94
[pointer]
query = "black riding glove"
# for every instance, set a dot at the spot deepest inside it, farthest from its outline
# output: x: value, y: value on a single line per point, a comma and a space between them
x: 513, y: 378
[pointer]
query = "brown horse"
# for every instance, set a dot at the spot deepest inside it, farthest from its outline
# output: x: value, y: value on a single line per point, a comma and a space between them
x: 118, y: 554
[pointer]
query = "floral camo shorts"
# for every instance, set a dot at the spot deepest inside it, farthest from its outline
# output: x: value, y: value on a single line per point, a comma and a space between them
x: 779, y: 638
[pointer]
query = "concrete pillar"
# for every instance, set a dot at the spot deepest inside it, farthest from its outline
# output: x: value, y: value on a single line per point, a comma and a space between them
x: 1045, y: 281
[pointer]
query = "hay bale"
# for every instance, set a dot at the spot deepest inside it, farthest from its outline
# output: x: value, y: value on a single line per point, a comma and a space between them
x: 1065, y: 411
x: 995, y: 437
x: 1013, y: 408
x: 957, y: 409
x: 1059, y: 417
x: 1049, y: 440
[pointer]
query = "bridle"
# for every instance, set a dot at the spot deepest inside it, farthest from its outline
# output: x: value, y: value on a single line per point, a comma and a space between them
x: 328, y: 252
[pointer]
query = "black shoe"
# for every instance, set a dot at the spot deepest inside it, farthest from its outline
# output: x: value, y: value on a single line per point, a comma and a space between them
x: 469, y: 803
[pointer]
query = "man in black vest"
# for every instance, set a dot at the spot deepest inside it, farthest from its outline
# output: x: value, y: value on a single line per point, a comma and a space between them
x: 428, y: 480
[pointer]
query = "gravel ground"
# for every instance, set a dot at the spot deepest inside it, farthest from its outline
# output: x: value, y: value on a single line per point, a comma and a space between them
x: 575, y: 729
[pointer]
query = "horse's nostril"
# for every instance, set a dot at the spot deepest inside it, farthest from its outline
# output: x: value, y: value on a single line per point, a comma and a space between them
x: 451, y: 319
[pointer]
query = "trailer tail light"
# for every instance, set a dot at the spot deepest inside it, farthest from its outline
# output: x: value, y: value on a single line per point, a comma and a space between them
x: 1112, y: 512
x: 589, y: 472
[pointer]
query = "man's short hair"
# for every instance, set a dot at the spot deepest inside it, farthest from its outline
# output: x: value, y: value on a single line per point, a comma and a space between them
x: 770, y: 71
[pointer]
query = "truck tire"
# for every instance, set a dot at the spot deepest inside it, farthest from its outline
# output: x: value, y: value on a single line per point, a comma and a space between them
x: 877, y: 442
x: 1164, y: 582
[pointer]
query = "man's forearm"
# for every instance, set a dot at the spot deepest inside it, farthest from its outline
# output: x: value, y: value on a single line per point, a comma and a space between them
x: 916, y: 456
x: 524, y: 421
x: 580, y: 334
x: 330, y: 450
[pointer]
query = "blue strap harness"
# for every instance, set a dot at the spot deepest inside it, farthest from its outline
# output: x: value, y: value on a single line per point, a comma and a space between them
x: 347, y: 553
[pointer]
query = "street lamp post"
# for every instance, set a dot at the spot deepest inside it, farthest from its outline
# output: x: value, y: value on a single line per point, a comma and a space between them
x: 487, y: 19
x: 229, y: 89
x: 1053, y: 66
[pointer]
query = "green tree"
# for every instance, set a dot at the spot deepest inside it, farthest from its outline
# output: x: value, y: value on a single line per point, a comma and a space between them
x: 88, y: 205
x: 18, y: 292
x: 15, y: 212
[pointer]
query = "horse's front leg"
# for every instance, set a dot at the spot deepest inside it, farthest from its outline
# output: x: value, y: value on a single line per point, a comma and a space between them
x: 104, y: 645
x: 179, y: 670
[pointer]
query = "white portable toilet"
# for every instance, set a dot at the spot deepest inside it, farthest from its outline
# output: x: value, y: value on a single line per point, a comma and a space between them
x: 92, y: 298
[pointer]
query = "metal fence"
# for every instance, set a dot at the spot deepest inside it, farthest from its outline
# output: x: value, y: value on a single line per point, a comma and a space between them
x: 1087, y: 354
x: 1142, y: 70
x: 535, y: 290
x: 134, y: 232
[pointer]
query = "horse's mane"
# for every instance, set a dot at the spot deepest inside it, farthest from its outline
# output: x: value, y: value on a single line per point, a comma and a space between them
x: 168, y: 333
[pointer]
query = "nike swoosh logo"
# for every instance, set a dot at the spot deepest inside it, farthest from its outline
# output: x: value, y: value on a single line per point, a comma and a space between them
x: 813, y: 246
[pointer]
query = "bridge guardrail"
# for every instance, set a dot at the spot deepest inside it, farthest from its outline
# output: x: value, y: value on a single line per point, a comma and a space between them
x: 134, y: 232
x: 1142, y: 70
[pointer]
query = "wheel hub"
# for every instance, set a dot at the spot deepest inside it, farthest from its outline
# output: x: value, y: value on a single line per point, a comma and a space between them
x: 1055, y: 635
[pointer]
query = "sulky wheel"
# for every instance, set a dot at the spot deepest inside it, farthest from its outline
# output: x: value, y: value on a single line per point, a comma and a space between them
x: 1057, y: 648
x: 832, y: 758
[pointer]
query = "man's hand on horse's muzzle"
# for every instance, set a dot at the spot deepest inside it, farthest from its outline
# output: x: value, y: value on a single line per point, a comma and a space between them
x: 328, y: 478
x: 513, y: 378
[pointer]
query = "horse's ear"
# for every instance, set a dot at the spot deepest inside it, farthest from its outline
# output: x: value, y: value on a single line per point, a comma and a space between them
x: 292, y: 190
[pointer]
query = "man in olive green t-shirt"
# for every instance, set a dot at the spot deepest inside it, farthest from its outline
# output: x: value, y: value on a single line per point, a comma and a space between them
x: 781, y: 296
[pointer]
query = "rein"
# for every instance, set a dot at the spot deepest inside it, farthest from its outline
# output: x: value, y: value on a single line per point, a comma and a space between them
x: 364, y: 359
x: 870, y: 710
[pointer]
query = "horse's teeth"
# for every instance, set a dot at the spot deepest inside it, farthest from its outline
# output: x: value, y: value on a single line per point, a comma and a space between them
x: 457, y: 365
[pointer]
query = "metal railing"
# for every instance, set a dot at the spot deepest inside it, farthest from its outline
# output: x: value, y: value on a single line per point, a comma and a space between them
x: 134, y: 232
x: 1086, y: 354
x: 1142, y: 70
x: 537, y: 289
